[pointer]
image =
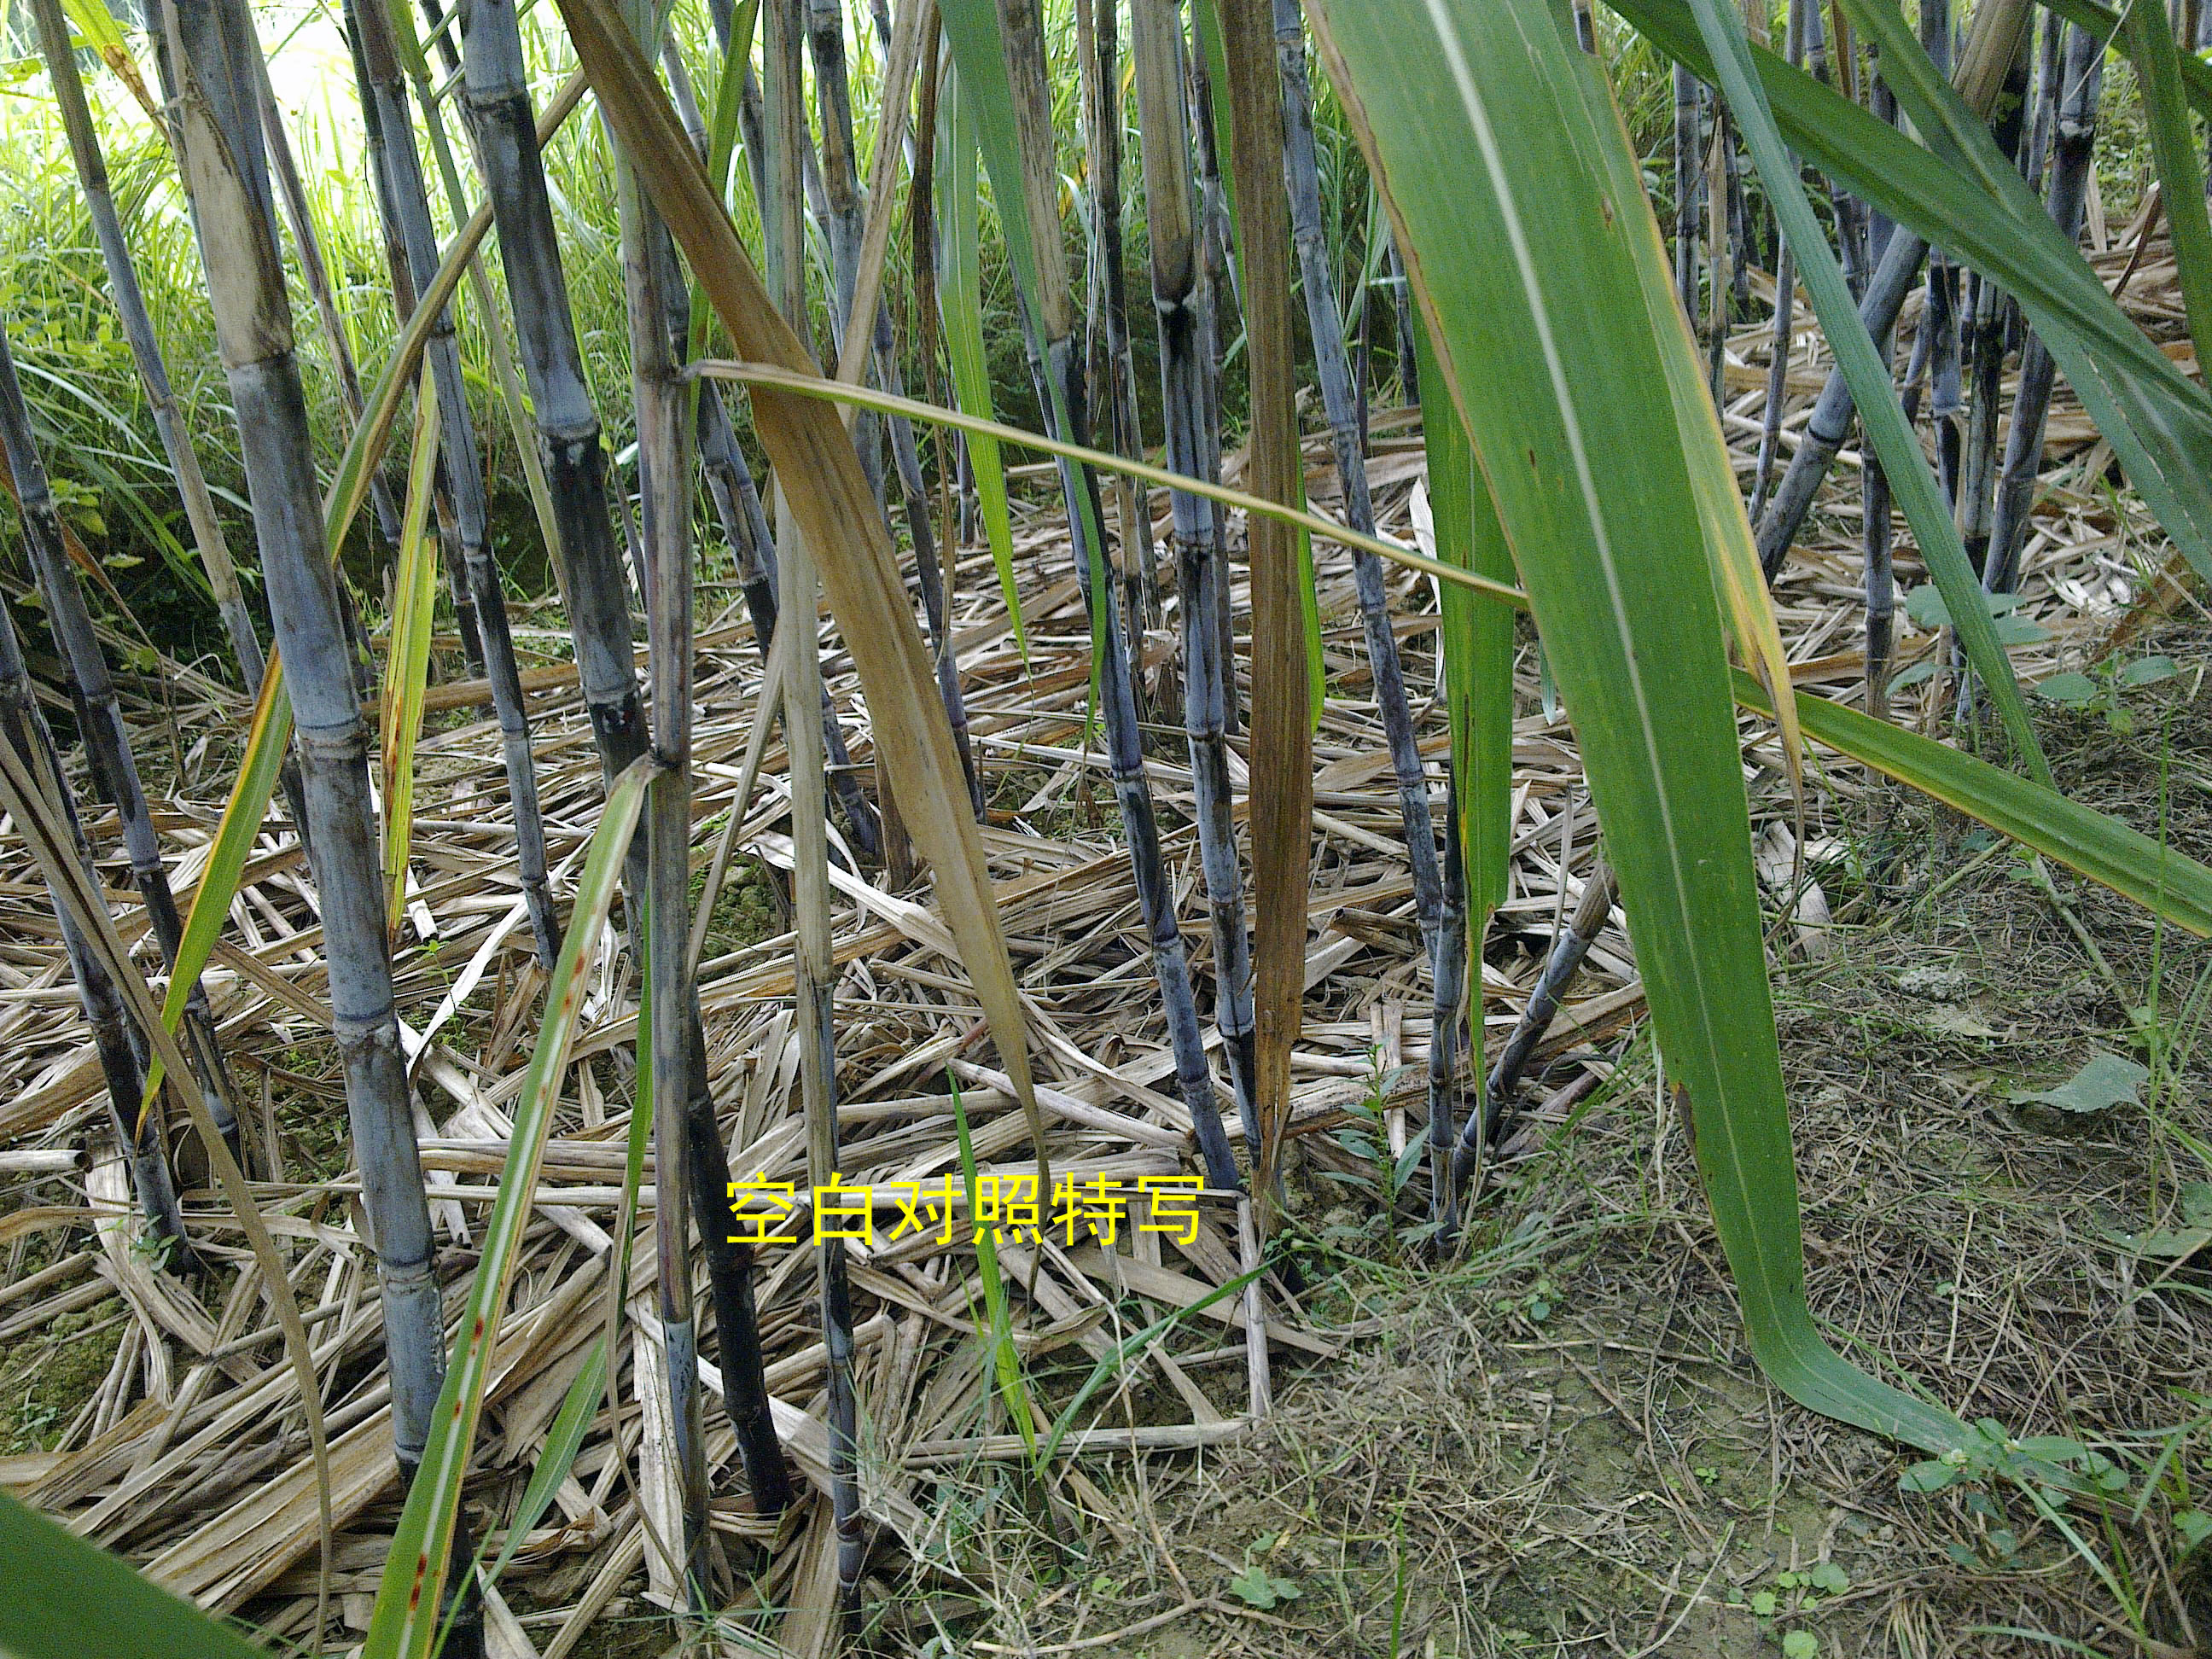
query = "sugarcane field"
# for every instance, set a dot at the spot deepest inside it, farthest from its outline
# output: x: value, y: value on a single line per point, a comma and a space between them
x: 1474, y: 922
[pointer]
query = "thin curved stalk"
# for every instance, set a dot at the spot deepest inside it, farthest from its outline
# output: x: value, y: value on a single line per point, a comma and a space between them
x: 99, y: 721
x: 23, y: 725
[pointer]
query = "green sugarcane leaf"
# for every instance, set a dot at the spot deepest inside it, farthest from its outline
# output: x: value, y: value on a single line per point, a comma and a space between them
x: 2173, y: 148
x: 960, y: 309
x: 69, y: 1599
x: 1521, y: 253
x: 2158, y: 423
x: 414, y: 616
x: 2167, y: 883
x: 410, y: 1595
x: 563, y: 1440
x: 266, y: 740
x: 1881, y: 417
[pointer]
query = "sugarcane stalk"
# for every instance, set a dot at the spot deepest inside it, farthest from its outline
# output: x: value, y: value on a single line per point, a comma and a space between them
x: 497, y: 101
x: 1308, y: 237
x: 228, y: 182
x: 2074, y: 144
x: 1097, y: 51
x: 1179, y: 302
x: 1569, y: 947
x: 99, y: 721
x: 650, y: 283
x: 1688, y: 177
x: 291, y: 193
x: 1217, y: 248
x: 23, y: 724
x: 462, y: 464
x: 813, y: 970
x: 390, y: 219
x: 1994, y: 37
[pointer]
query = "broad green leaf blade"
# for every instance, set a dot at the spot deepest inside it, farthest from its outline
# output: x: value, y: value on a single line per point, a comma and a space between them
x: 2167, y: 883
x: 960, y: 308
x: 411, y: 1596
x: 68, y: 1599
x: 2173, y: 147
x: 266, y: 740
x: 1881, y: 417
x: 1731, y: 553
x: 1522, y: 259
x: 2158, y: 422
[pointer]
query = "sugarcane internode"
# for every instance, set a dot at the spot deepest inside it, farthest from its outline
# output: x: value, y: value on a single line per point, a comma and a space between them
x: 1003, y: 1209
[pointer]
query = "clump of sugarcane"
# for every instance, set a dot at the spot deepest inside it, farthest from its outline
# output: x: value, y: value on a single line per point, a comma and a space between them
x: 1446, y: 942
x: 23, y: 725
x: 2074, y: 137
x: 1993, y: 40
x: 1181, y: 304
x: 210, y: 42
x: 1988, y: 321
x: 99, y: 721
x: 1057, y: 364
x: 498, y: 106
x: 398, y: 165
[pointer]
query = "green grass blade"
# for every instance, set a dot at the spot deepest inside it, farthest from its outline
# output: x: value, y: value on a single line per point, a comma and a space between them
x: 2173, y: 148
x: 1522, y: 251
x: 408, y: 1601
x: 1969, y: 201
x: 960, y: 309
x: 266, y: 740
x: 1005, y: 1357
x: 562, y: 1441
x: 1881, y: 417
x: 407, y: 669
x: 2087, y: 842
x: 1118, y: 1359
x: 68, y: 1599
